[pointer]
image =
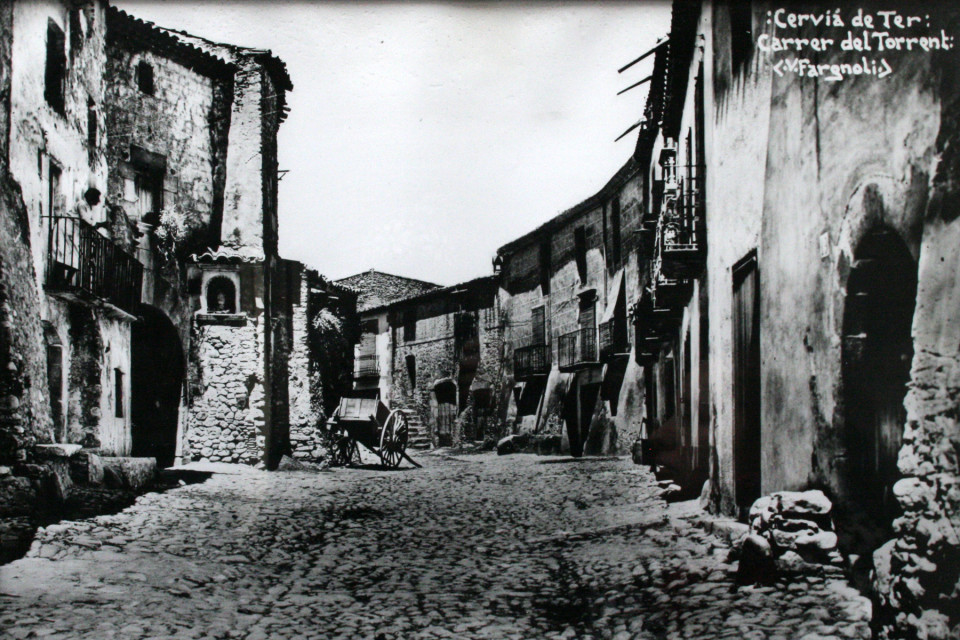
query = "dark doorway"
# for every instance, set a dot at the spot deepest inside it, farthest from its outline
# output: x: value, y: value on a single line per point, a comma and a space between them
x: 746, y: 381
x: 156, y: 379
x: 877, y: 354
x: 588, y: 402
x: 578, y: 414
x: 55, y: 380
x: 446, y: 393
x: 482, y: 406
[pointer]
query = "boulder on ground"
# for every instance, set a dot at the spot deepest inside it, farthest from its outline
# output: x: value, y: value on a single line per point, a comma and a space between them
x: 86, y: 467
x: 812, y: 502
x: 798, y: 528
x: 292, y: 464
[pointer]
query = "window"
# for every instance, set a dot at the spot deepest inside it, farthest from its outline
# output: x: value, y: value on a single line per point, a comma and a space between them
x: 143, y: 184
x: 538, y: 328
x: 144, y: 76
x: 545, y: 267
x: 587, y: 318
x: 411, y: 362
x: 56, y: 68
x: 76, y: 33
x: 91, y: 124
x: 54, y: 201
x: 615, y: 229
x: 148, y: 191
x: 369, y: 326
x: 580, y: 249
x: 118, y: 392
x: 409, y: 325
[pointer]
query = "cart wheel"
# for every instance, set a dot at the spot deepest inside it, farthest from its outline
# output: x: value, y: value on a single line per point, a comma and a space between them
x: 345, y: 450
x: 393, y: 439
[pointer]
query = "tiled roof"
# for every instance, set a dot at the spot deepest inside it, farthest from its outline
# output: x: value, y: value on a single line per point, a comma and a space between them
x: 378, y: 289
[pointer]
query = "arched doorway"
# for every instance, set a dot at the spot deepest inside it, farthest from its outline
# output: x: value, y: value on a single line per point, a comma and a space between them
x: 877, y: 353
x: 156, y: 381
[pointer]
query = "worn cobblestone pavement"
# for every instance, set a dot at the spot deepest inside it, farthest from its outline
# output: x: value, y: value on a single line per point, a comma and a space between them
x: 468, y: 547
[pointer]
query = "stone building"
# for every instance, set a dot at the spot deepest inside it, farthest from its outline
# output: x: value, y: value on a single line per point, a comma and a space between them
x: 565, y: 290
x: 70, y: 306
x: 817, y: 326
x: 373, y: 355
x: 192, y: 139
x: 146, y: 310
x: 446, y: 362
x: 167, y: 114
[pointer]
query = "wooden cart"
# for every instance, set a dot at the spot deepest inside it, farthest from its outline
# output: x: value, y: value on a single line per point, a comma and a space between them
x: 370, y: 422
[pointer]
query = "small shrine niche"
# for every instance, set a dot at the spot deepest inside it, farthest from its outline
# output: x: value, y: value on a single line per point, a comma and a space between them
x: 220, y: 294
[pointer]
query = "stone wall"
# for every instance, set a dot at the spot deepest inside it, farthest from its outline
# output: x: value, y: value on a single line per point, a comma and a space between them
x: 917, y: 572
x: 304, y: 436
x: 438, y: 362
x: 226, y: 420
x: 24, y: 399
x: 180, y: 122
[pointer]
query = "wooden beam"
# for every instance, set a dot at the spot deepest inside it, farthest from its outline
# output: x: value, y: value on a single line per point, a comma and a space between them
x: 632, y: 127
x: 635, y: 84
x: 659, y: 44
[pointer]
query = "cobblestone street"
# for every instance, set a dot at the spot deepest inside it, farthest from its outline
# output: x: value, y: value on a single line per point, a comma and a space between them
x: 467, y: 547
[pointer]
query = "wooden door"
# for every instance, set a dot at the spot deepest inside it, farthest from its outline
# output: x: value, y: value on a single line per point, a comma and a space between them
x: 746, y: 381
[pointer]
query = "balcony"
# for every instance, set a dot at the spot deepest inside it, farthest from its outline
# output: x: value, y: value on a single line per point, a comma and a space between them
x: 668, y: 292
x: 530, y: 362
x: 366, y: 366
x: 683, y: 235
x: 613, y: 339
x: 83, y: 265
x: 577, y: 349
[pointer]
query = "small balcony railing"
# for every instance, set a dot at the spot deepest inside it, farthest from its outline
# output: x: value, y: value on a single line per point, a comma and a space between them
x: 577, y: 349
x: 84, y: 265
x: 613, y: 338
x: 531, y: 361
x: 366, y: 366
x: 668, y: 292
x: 682, y: 222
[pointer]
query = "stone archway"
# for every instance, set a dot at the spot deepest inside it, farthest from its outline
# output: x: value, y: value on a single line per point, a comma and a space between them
x: 156, y: 380
x: 877, y: 352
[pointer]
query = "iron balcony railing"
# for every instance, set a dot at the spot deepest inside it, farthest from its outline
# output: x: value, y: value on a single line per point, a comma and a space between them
x: 682, y: 221
x: 366, y: 366
x: 613, y: 338
x: 531, y: 361
x: 577, y: 348
x: 668, y: 290
x: 84, y: 264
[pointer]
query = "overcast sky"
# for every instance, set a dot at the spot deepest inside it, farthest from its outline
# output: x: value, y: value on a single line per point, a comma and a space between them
x: 424, y: 136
